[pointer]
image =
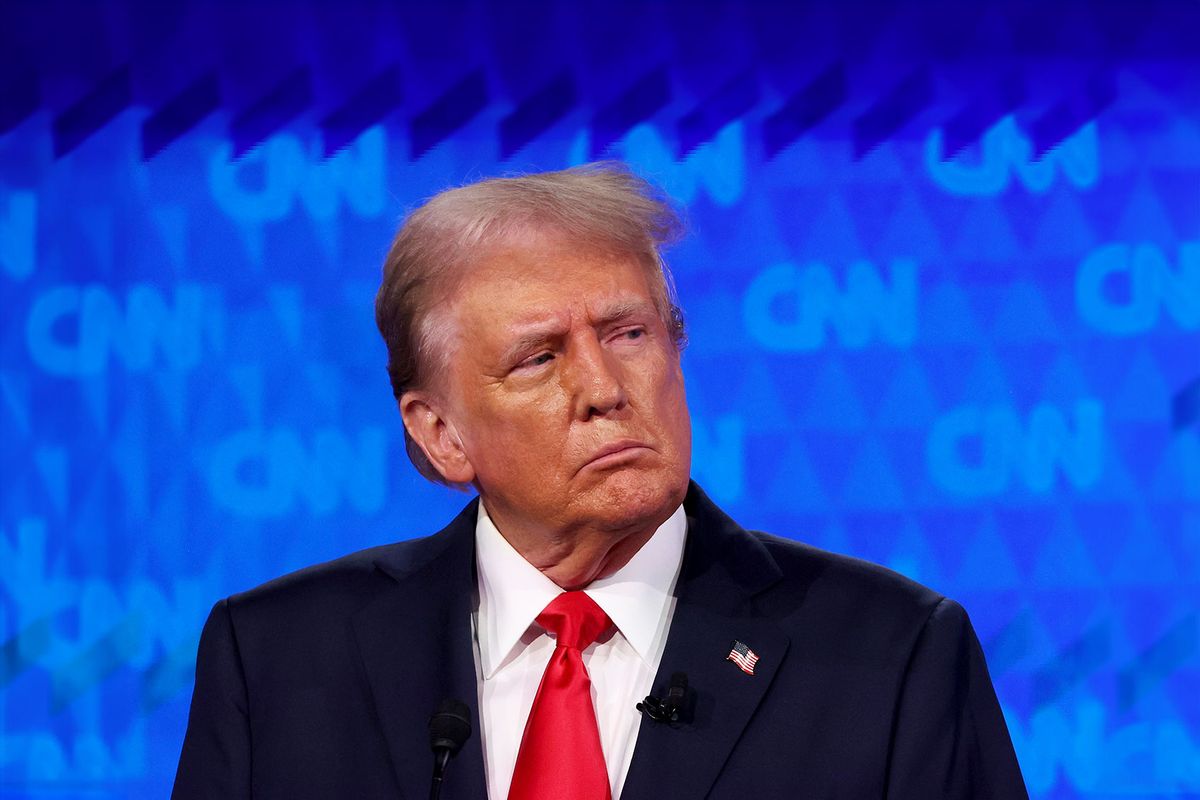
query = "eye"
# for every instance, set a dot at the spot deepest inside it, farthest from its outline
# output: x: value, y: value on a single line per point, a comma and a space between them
x: 537, y: 360
x: 630, y: 334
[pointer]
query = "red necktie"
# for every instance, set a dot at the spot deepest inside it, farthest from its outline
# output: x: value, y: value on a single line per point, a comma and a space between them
x: 560, y: 756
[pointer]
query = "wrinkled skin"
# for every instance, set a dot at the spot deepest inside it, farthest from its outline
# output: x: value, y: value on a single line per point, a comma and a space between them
x: 562, y: 402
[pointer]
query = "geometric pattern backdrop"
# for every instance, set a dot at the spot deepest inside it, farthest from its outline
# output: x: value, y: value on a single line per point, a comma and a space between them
x: 942, y: 282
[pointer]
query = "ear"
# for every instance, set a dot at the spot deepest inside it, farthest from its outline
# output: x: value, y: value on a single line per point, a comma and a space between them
x: 435, y: 435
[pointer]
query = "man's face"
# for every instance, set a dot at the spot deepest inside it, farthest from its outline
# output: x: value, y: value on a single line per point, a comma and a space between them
x: 565, y: 391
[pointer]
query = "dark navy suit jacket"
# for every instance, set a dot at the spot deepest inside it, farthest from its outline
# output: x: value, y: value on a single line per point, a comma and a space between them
x: 321, y: 683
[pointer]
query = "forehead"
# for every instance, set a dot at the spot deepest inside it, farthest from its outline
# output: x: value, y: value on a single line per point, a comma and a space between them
x: 544, y: 275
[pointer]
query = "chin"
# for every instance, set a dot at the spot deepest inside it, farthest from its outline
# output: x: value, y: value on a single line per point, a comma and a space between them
x: 631, y: 498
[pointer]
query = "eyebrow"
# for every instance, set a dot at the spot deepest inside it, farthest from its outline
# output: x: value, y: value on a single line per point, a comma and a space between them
x: 539, y: 333
x: 529, y: 339
x: 619, y: 310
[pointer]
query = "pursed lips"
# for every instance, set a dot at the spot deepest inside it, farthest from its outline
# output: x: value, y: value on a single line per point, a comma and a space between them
x: 613, y: 449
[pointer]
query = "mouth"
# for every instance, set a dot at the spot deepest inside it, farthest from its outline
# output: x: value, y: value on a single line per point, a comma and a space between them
x: 616, y: 453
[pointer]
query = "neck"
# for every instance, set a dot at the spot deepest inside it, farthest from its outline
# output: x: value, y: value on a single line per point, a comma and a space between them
x: 575, y: 558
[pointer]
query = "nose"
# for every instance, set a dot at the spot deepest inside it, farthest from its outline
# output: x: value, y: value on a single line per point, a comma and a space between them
x: 595, y: 379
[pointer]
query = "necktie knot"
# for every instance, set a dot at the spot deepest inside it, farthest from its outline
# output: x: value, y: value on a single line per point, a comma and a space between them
x: 574, y: 619
x: 561, y: 756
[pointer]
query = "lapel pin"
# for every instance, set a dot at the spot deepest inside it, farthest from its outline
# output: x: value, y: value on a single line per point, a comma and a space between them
x: 743, y: 656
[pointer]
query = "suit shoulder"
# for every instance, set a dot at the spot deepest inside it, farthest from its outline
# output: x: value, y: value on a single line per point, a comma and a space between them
x: 330, y: 585
x: 851, y: 585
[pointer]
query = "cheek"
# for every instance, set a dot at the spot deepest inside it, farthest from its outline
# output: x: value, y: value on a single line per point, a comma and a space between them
x: 682, y: 424
x: 672, y: 385
x: 505, y: 432
x: 673, y: 409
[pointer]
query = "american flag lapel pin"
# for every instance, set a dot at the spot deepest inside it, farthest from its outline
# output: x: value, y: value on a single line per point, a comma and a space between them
x: 743, y: 656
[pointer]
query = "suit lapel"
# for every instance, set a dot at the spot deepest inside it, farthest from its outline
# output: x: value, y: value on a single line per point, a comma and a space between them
x: 723, y: 568
x: 416, y: 647
x: 414, y: 660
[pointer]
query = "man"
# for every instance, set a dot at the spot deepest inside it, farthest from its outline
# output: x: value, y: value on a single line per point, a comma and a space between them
x: 533, y: 349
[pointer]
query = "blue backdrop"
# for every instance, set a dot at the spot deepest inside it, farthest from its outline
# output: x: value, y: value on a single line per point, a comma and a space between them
x: 943, y: 284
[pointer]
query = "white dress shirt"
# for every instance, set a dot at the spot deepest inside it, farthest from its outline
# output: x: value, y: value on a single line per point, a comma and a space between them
x: 512, y: 650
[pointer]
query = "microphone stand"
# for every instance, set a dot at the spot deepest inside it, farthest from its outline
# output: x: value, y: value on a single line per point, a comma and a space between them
x: 440, y: 759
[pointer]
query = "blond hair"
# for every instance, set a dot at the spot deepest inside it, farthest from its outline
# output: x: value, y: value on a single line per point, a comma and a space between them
x: 601, y: 205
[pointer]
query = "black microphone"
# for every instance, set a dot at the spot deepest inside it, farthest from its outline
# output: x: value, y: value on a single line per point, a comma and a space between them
x: 672, y: 708
x: 449, y: 729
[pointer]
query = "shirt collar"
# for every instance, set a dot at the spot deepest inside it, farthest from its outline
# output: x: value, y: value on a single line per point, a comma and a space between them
x: 512, y: 592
